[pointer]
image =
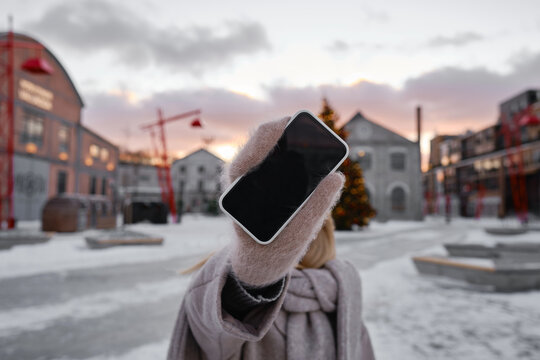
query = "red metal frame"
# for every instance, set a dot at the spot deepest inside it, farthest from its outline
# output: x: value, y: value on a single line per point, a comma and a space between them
x: 163, y: 167
x: 512, y: 143
x: 480, y: 194
x: 7, y: 135
x: 7, y: 120
x: 159, y: 167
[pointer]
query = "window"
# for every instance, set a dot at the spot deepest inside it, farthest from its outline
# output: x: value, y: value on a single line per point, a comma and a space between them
x: 94, y: 151
x: 104, y: 154
x: 32, y: 128
x: 514, y: 107
x: 201, y: 169
x: 201, y: 185
x: 61, y: 182
x: 104, y: 186
x: 397, y: 199
x: 93, y: 181
x: 63, y: 139
x: 182, y: 169
x: 364, y: 159
x: 397, y: 161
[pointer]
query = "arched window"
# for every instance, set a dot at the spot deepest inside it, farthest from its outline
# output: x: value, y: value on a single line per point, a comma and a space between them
x: 397, y: 199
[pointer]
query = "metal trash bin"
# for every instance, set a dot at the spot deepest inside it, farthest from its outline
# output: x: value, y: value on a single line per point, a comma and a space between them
x: 138, y: 211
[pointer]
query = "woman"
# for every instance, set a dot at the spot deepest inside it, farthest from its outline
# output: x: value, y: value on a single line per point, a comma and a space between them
x: 285, y: 300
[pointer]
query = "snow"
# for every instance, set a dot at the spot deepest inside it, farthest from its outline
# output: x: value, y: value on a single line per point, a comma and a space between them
x: 88, y: 307
x: 196, y: 235
x: 157, y: 350
x: 420, y: 317
x: 409, y: 316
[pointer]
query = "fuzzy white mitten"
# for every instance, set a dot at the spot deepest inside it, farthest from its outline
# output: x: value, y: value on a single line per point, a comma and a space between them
x: 260, y: 265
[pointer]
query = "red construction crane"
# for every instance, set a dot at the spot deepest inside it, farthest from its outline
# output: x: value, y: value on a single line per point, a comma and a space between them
x: 162, y: 166
x: 160, y: 170
x: 36, y: 66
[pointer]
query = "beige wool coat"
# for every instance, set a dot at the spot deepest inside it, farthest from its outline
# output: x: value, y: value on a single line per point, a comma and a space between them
x: 317, y: 316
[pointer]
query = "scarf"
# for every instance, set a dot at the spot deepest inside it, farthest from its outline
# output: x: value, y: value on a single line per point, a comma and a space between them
x: 311, y: 303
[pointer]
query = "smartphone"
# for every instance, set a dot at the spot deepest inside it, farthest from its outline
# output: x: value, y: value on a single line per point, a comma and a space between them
x: 264, y: 200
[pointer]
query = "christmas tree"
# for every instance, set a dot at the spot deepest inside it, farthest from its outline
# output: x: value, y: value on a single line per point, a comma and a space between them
x: 353, y: 207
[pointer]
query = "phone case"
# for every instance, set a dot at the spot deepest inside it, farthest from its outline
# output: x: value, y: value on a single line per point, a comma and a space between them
x: 300, y: 207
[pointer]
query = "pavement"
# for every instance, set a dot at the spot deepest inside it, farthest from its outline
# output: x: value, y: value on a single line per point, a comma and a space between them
x: 106, y: 312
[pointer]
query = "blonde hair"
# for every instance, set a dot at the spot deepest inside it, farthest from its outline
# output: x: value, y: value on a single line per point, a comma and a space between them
x: 321, y: 250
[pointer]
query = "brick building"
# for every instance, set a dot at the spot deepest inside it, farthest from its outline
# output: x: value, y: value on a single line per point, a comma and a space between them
x: 481, y: 173
x: 54, y: 152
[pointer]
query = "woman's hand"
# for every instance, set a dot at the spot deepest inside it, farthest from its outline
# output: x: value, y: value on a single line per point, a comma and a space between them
x: 257, y: 264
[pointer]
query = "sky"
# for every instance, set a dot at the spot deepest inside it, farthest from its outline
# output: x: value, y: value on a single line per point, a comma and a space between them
x: 246, y: 62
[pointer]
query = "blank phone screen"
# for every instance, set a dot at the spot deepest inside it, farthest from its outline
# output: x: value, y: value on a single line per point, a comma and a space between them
x: 265, y: 198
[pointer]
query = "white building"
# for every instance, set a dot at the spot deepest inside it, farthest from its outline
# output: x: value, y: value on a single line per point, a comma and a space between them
x: 391, y: 169
x: 196, y: 180
x: 139, y: 182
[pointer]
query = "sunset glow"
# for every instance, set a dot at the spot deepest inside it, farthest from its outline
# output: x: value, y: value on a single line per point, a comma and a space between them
x: 246, y: 63
x: 226, y: 152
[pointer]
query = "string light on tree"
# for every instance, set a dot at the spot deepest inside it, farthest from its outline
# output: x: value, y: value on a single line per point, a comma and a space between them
x: 353, y: 206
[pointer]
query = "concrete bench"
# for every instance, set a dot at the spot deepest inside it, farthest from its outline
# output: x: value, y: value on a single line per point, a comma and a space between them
x: 121, y: 238
x: 482, y: 272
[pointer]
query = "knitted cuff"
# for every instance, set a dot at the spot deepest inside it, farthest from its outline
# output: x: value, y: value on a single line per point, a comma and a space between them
x: 238, y: 298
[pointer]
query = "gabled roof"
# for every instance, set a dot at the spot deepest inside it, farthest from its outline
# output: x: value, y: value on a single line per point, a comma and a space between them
x: 201, y: 150
x: 96, y: 135
x: 359, y: 117
x: 16, y: 35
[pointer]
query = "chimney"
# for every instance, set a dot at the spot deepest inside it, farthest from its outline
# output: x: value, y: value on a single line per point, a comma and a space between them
x: 418, y: 123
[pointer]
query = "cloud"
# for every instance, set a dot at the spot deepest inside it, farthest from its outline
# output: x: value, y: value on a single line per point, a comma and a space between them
x: 460, y: 39
x: 453, y: 100
x: 89, y: 26
x: 470, y: 97
x: 374, y: 15
x: 226, y: 116
x: 338, y: 46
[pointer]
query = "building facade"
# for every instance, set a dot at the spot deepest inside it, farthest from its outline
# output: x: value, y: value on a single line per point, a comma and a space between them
x: 491, y: 172
x: 196, y: 181
x: 138, y: 181
x: 54, y: 152
x: 391, y: 168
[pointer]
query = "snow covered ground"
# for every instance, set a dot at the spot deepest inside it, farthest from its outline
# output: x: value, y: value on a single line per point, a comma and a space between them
x: 195, y: 235
x: 417, y: 317
x: 60, y: 300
